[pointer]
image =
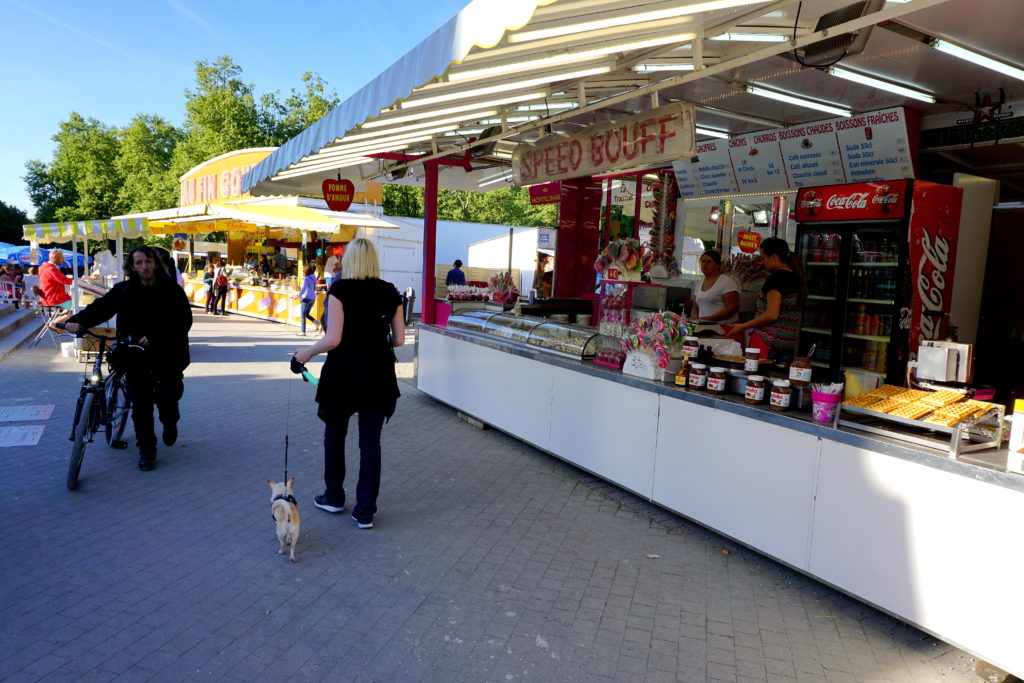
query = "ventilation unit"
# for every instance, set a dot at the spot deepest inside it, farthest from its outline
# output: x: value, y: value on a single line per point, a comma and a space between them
x: 829, y: 51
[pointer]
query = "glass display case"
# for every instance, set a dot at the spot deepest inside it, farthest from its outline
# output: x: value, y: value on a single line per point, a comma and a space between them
x: 561, y: 339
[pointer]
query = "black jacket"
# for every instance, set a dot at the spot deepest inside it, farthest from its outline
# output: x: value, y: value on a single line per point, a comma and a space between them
x: 160, y: 312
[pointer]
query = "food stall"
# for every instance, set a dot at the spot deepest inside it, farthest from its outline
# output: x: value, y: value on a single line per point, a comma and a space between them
x: 211, y: 201
x: 880, y: 516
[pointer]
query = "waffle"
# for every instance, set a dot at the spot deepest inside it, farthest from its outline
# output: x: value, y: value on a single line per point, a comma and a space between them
x: 886, y: 406
x: 980, y: 407
x: 910, y: 396
x: 912, y: 411
x: 958, y: 410
x: 885, y: 391
x: 944, y: 420
x: 943, y: 397
x: 862, y: 401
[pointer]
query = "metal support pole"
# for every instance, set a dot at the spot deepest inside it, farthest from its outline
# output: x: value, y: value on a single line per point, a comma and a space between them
x: 429, y: 242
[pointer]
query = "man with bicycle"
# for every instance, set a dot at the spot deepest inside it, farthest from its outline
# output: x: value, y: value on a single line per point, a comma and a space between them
x: 154, y: 313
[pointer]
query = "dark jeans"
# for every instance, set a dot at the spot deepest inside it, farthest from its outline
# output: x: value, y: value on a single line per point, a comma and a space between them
x: 220, y: 294
x: 371, y: 422
x: 209, y: 299
x: 307, y: 306
x: 147, y: 388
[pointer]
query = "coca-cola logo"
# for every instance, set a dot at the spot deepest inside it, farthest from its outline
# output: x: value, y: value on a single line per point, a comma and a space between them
x: 931, y: 282
x: 857, y: 200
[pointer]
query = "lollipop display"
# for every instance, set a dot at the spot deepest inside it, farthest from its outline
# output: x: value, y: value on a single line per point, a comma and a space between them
x: 659, y: 333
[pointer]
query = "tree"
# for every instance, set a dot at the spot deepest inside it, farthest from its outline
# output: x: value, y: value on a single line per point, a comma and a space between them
x: 221, y: 115
x: 11, y: 220
x: 403, y: 200
x: 82, y: 182
x: 144, y: 161
x: 301, y: 110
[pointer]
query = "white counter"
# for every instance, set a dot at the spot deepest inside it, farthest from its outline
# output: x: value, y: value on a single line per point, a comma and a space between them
x: 905, y: 530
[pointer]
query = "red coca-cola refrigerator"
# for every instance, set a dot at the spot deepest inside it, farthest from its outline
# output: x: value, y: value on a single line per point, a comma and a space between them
x: 879, y: 260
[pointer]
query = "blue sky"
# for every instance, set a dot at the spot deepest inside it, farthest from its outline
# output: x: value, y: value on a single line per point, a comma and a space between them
x: 112, y: 59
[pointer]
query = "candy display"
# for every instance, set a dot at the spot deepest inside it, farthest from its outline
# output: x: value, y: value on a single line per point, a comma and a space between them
x: 661, y: 333
x: 628, y: 255
x: 663, y: 244
x: 746, y: 270
x: 468, y: 293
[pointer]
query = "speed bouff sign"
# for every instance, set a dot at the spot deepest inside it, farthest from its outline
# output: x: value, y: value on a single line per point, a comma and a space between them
x: 647, y: 139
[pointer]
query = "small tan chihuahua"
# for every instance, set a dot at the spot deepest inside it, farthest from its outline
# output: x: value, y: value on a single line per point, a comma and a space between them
x: 285, y: 511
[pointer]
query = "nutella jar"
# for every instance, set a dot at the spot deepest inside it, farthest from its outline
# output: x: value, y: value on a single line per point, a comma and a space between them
x: 751, y: 360
x: 698, y: 376
x: 780, y: 395
x: 755, y: 390
x: 716, y: 381
x: 800, y: 372
x: 691, y: 346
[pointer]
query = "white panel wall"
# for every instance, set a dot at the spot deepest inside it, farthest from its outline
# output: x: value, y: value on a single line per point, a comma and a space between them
x: 746, y: 478
x: 606, y: 428
x: 506, y: 391
x: 938, y: 549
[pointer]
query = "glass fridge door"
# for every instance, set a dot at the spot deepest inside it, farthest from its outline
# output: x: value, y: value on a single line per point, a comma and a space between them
x: 821, y: 250
x: 871, y: 299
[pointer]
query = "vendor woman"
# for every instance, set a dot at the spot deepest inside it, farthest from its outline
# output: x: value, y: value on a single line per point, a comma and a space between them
x: 778, y: 304
x: 718, y: 298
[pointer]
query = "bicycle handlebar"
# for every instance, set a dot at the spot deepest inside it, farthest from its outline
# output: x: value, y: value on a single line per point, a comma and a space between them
x: 89, y: 333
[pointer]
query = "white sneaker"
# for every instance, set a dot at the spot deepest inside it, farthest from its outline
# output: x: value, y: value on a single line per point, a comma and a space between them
x: 362, y: 525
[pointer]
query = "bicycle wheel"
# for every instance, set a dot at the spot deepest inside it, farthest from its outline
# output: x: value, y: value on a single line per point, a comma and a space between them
x: 85, y: 417
x: 117, y: 409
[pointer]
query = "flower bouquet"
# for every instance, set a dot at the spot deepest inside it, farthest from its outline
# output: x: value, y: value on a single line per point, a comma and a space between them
x: 502, y: 289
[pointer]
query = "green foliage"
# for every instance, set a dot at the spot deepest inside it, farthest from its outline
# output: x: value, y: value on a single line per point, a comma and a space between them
x: 11, y: 220
x: 144, y: 161
x: 505, y: 206
x: 403, y: 200
x: 303, y: 109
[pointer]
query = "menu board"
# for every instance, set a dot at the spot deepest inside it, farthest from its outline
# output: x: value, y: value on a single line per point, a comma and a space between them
x: 862, y: 148
x: 707, y: 174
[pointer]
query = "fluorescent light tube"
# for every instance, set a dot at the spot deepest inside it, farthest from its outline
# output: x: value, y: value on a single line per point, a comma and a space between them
x: 505, y: 87
x: 799, y: 101
x: 654, y: 15
x: 711, y: 133
x: 568, y: 57
x: 881, y: 85
x: 979, y: 59
x: 545, y: 107
x: 753, y: 37
x: 501, y: 177
x: 454, y: 110
x: 650, y: 68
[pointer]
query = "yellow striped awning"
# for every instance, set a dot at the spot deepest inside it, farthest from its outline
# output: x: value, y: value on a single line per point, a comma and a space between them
x: 96, y: 229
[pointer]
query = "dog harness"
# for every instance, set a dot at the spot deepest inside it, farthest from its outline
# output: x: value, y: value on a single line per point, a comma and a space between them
x: 286, y: 497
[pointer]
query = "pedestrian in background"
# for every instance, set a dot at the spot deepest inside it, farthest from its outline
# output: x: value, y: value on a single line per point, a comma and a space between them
x: 307, y: 297
x: 208, y: 286
x: 366, y: 323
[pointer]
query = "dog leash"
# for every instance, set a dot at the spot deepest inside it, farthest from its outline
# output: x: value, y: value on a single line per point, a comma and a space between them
x: 299, y: 369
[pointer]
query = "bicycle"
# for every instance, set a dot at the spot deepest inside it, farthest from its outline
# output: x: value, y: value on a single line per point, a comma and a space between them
x: 102, y: 402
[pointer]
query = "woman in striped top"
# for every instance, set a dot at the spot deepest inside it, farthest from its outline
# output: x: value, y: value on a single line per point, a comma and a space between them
x: 778, y: 304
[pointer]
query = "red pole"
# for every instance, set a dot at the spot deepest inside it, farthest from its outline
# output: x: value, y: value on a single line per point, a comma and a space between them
x: 429, y: 242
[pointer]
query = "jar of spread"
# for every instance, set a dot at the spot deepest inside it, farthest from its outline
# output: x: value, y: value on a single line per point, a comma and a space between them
x: 800, y: 372
x: 780, y: 395
x: 755, y: 389
x: 751, y: 360
x: 683, y: 373
x: 691, y: 345
x: 716, y: 381
x: 698, y: 375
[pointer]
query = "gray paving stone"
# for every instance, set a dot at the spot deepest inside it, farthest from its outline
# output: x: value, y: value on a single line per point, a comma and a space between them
x: 490, y: 559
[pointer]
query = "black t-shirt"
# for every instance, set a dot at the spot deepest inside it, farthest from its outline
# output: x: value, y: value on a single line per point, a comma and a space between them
x: 360, y: 371
x: 785, y: 282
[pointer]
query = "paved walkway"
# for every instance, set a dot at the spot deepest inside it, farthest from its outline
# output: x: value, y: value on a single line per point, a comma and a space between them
x: 490, y: 561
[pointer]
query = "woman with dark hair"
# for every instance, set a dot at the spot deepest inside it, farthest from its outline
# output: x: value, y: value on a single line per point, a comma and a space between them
x: 718, y: 298
x: 778, y: 304
x: 366, y: 321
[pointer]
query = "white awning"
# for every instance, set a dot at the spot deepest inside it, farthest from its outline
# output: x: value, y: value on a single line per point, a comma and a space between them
x: 508, y: 71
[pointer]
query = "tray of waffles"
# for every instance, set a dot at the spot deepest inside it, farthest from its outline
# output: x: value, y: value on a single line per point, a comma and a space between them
x: 921, y: 414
